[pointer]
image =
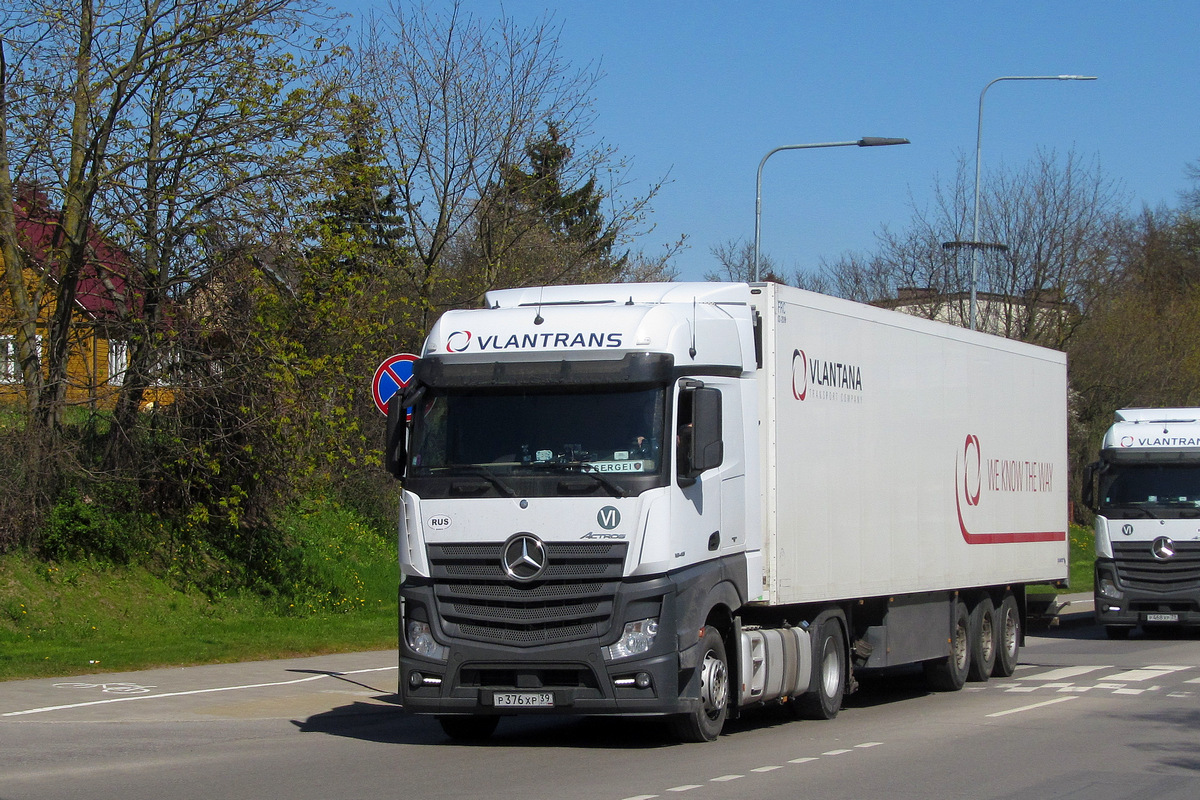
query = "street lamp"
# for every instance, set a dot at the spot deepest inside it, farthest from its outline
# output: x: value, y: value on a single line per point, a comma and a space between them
x: 866, y: 141
x: 979, y: 161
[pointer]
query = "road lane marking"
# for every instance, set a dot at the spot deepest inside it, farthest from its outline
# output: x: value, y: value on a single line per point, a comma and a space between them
x: 1035, y: 705
x: 725, y: 778
x: 835, y: 752
x: 1061, y: 674
x: 802, y: 760
x: 129, y: 699
x: 766, y: 769
x: 1143, y: 674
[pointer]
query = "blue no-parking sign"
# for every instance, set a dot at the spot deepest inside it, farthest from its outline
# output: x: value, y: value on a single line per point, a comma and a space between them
x: 392, y: 376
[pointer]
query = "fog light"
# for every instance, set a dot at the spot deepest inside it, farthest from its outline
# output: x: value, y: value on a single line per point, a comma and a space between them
x: 642, y: 680
x: 420, y: 641
x: 415, y: 679
x: 638, y: 637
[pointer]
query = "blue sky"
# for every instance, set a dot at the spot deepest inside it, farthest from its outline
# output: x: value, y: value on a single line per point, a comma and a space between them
x: 699, y: 92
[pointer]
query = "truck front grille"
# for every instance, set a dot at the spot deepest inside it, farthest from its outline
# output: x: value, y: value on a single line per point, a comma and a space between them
x: 572, y: 599
x: 1139, y: 570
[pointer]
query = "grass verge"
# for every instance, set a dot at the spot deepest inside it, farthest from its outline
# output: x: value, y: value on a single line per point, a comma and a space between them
x: 81, y: 617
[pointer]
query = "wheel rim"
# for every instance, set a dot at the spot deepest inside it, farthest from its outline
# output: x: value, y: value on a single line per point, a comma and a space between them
x: 987, y: 645
x: 1010, y: 631
x: 960, y: 646
x: 831, y: 672
x: 714, y: 685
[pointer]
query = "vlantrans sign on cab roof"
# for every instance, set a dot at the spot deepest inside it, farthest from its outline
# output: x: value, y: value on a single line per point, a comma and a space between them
x: 1153, y: 433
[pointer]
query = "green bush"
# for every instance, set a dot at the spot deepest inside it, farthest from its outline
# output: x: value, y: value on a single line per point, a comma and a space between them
x: 98, y: 524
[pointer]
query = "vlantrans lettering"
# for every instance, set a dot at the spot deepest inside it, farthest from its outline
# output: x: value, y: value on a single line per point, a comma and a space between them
x: 549, y: 341
x: 835, y: 375
x: 1167, y: 441
x: 1012, y: 475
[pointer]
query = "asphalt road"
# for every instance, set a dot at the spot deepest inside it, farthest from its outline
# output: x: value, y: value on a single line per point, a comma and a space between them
x: 1083, y: 717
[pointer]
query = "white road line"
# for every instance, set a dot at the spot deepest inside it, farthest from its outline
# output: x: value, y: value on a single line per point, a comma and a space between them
x: 1143, y: 674
x: 190, y: 692
x: 802, y: 760
x: 865, y: 745
x: 835, y: 752
x: 725, y: 778
x: 1035, y: 705
x: 766, y: 769
x: 1060, y: 674
x: 685, y: 788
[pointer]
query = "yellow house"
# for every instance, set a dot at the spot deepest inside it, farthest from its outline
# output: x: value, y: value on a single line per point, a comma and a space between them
x: 97, y: 354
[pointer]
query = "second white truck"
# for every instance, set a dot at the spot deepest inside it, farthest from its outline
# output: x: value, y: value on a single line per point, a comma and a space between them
x: 687, y: 500
x: 1145, y: 490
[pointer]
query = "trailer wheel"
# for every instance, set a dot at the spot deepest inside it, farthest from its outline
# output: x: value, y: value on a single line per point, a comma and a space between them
x: 983, y: 640
x: 948, y: 674
x: 1008, y: 637
x: 705, y: 723
x: 467, y: 727
x: 829, y: 674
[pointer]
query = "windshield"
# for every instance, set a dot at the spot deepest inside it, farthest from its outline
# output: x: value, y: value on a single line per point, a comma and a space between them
x: 514, y: 432
x: 1151, y: 490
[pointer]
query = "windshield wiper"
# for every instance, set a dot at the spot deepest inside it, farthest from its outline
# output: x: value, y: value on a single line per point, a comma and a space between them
x: 586, y: 468
x: 486, y: 474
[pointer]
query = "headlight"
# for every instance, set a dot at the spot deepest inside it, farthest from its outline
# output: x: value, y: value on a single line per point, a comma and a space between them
x: 420, y: 641
x: 638, y: 637
x: 1109, y: 589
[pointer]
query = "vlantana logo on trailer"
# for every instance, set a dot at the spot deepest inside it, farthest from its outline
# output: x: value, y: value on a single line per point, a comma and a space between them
x: 995, y: 482
x: 829, y: 380
x: 461, y: 341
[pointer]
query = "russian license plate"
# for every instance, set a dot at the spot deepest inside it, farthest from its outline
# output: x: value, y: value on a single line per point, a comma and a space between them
x: 1162, y: 618
x: 523, y: 699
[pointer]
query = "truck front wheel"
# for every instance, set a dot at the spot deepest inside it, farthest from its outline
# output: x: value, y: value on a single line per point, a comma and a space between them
x: 705, y: 723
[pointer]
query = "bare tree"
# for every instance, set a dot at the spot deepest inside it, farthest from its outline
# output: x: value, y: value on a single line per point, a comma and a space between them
x: 459, y: 99
x: 1054, y: 219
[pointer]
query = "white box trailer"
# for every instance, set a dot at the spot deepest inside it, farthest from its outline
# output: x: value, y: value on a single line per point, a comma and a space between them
x: 691, y: 499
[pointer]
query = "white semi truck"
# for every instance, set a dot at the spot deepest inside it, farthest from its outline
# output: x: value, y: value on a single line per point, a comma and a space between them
x: 1145, y: 490
x: 692, y: 499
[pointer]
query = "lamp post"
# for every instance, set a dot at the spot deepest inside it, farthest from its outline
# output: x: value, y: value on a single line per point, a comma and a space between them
x: 866, y: 141
x: 979, y: 162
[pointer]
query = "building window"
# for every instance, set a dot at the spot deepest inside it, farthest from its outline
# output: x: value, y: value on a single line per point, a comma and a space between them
x: 118, y: 361
x: 10, y: 367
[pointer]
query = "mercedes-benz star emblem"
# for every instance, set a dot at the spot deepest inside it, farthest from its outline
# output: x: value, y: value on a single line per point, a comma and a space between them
x: 1163, y: 549
x: 524, y: 557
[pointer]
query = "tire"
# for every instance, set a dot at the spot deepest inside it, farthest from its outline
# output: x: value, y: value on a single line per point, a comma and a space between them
x: 468, y: 728
x: 1008, y: 637
x: 705, y: 723
x: 948, y: 674
x: 982, y: 632
x: 829, y: 674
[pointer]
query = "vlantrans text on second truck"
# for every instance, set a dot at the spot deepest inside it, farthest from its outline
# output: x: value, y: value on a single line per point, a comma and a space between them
x: 692, y: 499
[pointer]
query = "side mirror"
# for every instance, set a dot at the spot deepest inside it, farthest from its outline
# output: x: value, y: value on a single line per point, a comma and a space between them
x: 1087, y: 492
x: 700, y: 443
x: 395, y: 452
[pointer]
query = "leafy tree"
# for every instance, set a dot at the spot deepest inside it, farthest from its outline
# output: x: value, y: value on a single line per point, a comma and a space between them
x: 155, y: 124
